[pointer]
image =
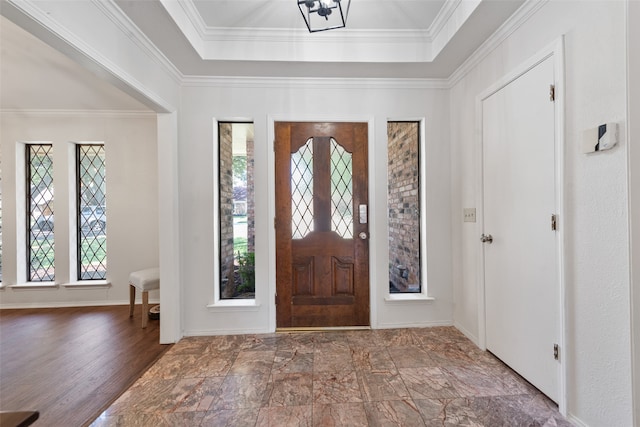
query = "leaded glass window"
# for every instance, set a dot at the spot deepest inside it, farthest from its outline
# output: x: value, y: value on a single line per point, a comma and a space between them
x: 302, y: 190
x: 40, y: 265
x: 341, y: 191
x: 91, y: 215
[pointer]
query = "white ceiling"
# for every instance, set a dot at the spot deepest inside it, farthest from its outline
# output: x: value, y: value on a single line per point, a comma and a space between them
x: 261, y: 38
x: 378, y: 31
x: 424, y: 38
x: 363, y: 14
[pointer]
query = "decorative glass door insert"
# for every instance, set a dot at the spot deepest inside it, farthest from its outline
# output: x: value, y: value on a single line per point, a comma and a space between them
x: 321, y: 266
x: 341, y: 191
x: 302, y: 190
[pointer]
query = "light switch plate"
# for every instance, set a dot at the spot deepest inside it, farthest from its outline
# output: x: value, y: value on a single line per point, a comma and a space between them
x: 469, y: 214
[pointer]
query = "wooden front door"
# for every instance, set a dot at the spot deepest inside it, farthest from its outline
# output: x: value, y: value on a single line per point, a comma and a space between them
x: 322, y: 230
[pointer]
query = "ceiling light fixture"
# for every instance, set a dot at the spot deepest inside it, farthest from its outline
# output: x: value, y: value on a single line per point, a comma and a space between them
x: 322, y: 15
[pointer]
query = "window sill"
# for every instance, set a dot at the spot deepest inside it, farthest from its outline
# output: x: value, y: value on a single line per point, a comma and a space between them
x: 249, y: 305
x: 401, y: 298
x: 34, y: 285
x: 88, y: 284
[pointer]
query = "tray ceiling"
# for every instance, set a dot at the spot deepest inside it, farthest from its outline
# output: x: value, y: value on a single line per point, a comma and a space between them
x: 392, y: 39
x: 386, y: 39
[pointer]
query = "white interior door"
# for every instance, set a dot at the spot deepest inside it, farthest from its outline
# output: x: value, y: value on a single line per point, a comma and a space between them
x: 522, y: 296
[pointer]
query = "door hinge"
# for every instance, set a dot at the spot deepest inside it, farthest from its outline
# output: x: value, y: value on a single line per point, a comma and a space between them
x: 274, y: 222
x: 552, y: 93
x: 554, y: 222
x: 276, y: 299
x: 556, y: 352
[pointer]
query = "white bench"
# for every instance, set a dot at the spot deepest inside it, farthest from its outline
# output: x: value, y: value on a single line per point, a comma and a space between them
x: 145, y: 280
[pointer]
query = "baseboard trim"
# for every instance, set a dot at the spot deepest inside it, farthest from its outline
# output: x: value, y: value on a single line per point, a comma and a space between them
x: 65, y: 304
x: 466, y: 333
x: 415, y: 325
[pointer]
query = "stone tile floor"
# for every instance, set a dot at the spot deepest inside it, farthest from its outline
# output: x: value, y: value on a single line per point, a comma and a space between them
x: 400, y: 377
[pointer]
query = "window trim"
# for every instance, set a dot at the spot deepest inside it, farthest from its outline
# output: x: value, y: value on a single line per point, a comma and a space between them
x: 26, y: 229
x: 218, y: 302
x: 21, y: 259
x: 88, y: 284
x: 423, y: 295
x: 1, y: 242
x: 34, y: 285
x: 74, y: 227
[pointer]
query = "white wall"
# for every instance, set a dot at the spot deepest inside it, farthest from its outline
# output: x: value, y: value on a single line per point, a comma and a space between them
x: 597, y: 352
x: 311, y: 100
x: 95, y: 35
x: 132, y: 200
x: 101, y: 39
x: 598, y: 321
x: 633, y: 74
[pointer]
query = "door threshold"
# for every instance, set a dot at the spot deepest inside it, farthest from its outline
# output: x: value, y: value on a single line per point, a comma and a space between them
x: 322, y: 329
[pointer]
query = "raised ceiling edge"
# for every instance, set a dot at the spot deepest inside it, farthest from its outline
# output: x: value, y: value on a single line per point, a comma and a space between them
x: 515, y: 21
x: 314, y: 82
x: 112, y: 11
x: 210, y: 42
x: 58, y: 36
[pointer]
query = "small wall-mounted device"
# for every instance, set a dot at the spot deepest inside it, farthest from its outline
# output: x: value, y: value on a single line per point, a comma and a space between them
x: 363, y: 214
x: 600, y: 138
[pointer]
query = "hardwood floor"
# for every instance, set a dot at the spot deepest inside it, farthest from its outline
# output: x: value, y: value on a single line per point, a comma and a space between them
x: 72, y: 363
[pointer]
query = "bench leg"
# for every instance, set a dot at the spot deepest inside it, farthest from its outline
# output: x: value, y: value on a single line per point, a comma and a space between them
x: 145, y: 308
x: 132, y: 299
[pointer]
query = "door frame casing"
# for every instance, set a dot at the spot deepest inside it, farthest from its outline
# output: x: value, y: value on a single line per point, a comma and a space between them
x: 555, y: 50
x: 271, y: 173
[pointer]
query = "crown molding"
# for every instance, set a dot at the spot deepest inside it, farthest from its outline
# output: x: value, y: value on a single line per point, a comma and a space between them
x: 82, y: 52
x: 309, y: 82
x: 112, y: 11
x: 286, y: 35
x: 191, y: 11
x: 445, y: 13
x: 522, y: 15
x: 119, y: 114
x: 515, y: 21
x: 209, y: 33
x: 370, y: 45
x: 85, y: 53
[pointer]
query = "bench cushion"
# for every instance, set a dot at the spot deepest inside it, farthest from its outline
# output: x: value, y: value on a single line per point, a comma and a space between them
x: 146, y: 280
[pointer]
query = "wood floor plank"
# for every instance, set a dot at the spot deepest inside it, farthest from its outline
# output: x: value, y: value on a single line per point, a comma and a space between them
x: 72, y: 363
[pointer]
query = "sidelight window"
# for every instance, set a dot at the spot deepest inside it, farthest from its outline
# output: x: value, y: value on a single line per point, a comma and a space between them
x: 236, y: 210
x: 403, y: 172
x: 0, y: 224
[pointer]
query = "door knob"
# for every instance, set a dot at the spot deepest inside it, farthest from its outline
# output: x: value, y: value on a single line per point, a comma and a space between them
x: 486, y: 238
x: 363, y: 235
